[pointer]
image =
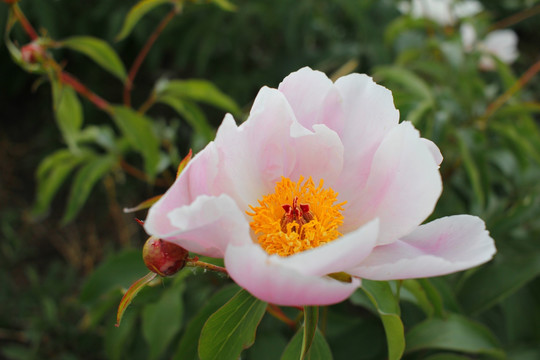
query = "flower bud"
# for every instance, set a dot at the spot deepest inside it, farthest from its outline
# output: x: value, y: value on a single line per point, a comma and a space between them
x: 32, y: 53
x: 10, y: 1
x: 163, y: 257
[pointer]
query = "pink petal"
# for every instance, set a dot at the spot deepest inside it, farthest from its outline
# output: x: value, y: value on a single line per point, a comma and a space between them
x: 402, y: 189
x: 196, y: 179
x: 267, y: 279
x: 272, y: 144
x: 443, y: 246
x: 369, y: 114
x: 339, y: 255
x: 205, y: 226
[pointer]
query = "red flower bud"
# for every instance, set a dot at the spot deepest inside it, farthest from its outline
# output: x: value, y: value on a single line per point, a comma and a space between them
x: 32, y: 53
x: 163, y: 257
x: 10, y: 1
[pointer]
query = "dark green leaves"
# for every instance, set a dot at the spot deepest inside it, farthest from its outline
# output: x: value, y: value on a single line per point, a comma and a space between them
x: 387, y: 305
x: 232, y: 328
x: 319, y: 349
x: 137, y: 128
x: 456, y: 333
x: 99, y: 51
x: 136, y: 13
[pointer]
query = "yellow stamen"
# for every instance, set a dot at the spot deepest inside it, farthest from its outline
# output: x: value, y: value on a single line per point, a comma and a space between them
x: 296, y: 217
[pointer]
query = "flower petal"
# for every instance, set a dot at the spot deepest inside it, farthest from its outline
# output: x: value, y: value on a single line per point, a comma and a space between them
x: 369, y: 114
x: 402, y: 189
x: 339, y: 255
x: 441, y: 247
x: 205, y: 226
x: 267, y: 279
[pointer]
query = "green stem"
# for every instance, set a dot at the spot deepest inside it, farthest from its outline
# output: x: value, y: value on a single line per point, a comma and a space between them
x: 207, y: 266
x: 311, y: 317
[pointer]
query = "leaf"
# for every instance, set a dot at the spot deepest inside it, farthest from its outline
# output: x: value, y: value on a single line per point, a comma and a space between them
x: 99, y: 51
x: 191, y: 113
x: 51, y: 173
x: 187, y: 348
x: 116, y: 272
x: 68, y: 113
x: 130, y: 295
x: 83, y: 183
x: 143, y: 205
x: 496, y: 281
x: 426, y: 296
x: 382, y: 297
x: 116, y: 339
x: 319, y: 349
x: 232, y: 328
x: 456, y: 333
x: 225, y: 5
x: 406, y: 78
x: 470, y: 167
x: 138, y: 130
x: 162, y: 320
x: 311, y: 318
x: 184, y: 163
x: 197, y: 90
x: 136, y: 13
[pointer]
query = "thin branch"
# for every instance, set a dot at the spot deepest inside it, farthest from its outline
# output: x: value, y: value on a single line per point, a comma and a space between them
x: 516, y: 18
x: 28, y: 28
x: 501, y: 100
x: 276, y: 312
x: 207, y: 266
x: 84, y: 91
x: 142, y: 55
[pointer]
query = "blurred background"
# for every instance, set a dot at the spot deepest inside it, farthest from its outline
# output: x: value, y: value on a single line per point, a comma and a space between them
x: 62, y: 275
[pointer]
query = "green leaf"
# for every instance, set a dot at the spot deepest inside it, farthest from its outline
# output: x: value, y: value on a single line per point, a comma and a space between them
x: 137, y: 128
x: 225, y: 5
x: 456, y: 333
x: 116, y: 272
x: 51, y: 173
x: 426, y: 296
x: 319, y: 349
x: 232, y: 328
x: 471, y: 167
x: 382, y: 297
x: 192, y: 114
x: 136, y: 13
x: 407, y: 79
x: 162, y: 320
x: 311, y: 318
x: 68, y: 113
x: 99, y: 51
x: 117, y: 338
x: 130, y: 295
x: 187, y: 348
x: 496, y: 281
x: 197, y: 90
x: 83, y: 183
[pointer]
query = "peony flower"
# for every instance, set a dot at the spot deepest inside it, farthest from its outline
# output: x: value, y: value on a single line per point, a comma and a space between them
x: 319, y: 183
x: 499, y: 43
x: 443, y: 12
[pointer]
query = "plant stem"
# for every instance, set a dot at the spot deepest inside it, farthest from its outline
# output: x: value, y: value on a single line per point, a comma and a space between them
x: 276, y: 312
x: 207, y: 266
x: 84, y: 91
x: 516, y: 18
x: 142, y: 55
x: 24, y: 22
x: 522, y: 81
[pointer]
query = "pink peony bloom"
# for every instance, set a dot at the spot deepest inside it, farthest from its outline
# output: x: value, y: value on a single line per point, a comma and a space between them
x: 321, y: 179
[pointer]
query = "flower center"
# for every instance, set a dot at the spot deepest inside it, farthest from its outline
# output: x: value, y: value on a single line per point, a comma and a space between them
x: 296, y: 217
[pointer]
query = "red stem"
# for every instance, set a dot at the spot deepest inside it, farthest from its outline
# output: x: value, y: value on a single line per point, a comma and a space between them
x: 84, y: 91
x: 522, y: 81
x: 142, y: 55
x: 24, y: 22
x: 516, y: 18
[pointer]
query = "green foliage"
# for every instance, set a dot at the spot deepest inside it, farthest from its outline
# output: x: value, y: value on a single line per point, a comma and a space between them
x: 204, y: 63
x: 232, y: 328
x: 99, y: 51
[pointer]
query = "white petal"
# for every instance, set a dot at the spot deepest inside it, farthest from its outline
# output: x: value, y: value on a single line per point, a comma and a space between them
x: 443, y: 246
x: 253, y: 269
